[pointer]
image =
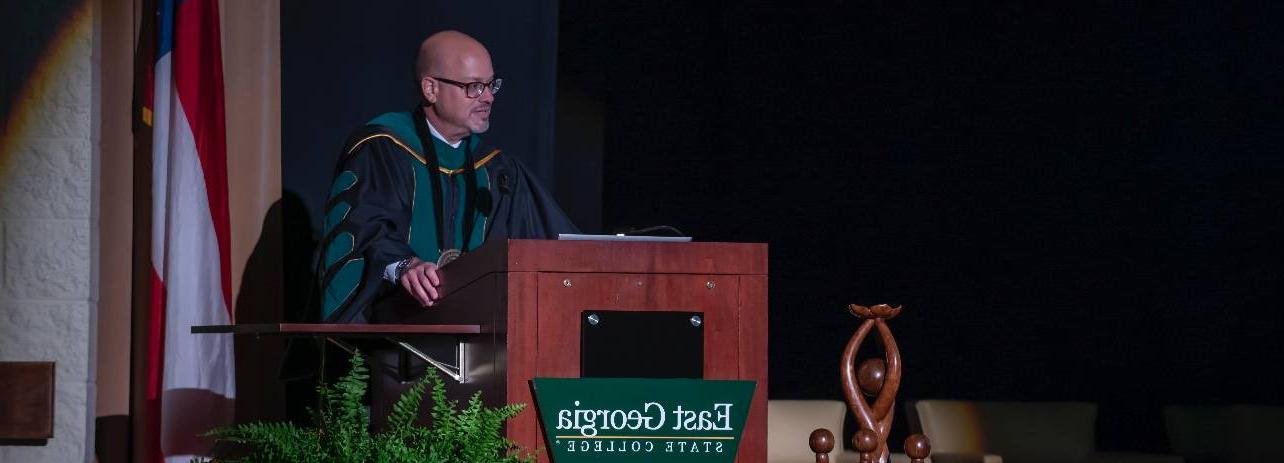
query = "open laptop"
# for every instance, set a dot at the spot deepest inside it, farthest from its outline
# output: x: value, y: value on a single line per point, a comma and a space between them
x: 621, y: 237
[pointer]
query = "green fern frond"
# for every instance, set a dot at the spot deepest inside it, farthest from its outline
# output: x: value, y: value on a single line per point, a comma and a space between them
x: 272, y: 442
x: 341, y: 435
x: 402, y: 418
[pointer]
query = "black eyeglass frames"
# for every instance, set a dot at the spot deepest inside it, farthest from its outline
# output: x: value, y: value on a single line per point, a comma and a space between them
x: 475, y: 89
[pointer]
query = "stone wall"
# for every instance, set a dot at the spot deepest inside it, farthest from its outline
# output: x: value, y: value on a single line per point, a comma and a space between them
x: 47, y: 229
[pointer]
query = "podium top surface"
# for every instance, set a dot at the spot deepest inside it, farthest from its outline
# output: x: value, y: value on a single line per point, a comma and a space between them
x: 620, y: 257
x: 340, y: 330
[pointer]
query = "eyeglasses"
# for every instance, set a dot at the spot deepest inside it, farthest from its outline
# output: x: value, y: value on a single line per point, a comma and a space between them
x: 475, y: 89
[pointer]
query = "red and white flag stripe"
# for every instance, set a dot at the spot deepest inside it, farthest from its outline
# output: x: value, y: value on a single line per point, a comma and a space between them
x: 191, y: 378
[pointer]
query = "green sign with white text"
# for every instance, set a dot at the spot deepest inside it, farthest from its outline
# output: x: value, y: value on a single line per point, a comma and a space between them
x: 642, y: 420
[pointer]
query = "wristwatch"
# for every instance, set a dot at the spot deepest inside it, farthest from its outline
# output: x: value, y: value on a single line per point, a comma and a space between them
x: 401, y: 268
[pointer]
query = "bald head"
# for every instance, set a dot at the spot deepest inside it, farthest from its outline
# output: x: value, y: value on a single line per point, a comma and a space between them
x: 448, y: 51
x: 449, y: 63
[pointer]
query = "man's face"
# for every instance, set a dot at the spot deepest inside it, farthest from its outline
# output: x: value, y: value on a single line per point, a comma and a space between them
x: 457, y: 115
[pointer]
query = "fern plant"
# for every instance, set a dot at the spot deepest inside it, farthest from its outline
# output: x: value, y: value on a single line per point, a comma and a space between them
x: 340, y: 434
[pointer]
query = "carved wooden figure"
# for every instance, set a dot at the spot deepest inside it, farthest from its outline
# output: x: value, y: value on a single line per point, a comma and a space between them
x: 877, y: 378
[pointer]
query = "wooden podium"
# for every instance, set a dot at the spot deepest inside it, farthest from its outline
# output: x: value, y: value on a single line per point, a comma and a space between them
x: 512, y: 311
x: 529, y: 297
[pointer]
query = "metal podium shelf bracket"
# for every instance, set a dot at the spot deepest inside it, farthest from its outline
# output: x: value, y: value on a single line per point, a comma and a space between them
x: 342, y: 345
x: 457, y: 372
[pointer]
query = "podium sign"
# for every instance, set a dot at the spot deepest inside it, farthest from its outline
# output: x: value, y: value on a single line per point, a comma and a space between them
x: 642, y: 420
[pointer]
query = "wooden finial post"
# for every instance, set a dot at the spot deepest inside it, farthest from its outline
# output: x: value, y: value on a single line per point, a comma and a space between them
x: 866, y: 442
x: 917, y: 448
x: 822, y: 442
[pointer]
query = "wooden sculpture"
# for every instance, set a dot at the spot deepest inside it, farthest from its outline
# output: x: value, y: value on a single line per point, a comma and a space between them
x: 874, y: 377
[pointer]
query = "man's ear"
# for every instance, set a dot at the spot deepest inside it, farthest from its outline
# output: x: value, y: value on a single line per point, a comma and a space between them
x: 428, y: 88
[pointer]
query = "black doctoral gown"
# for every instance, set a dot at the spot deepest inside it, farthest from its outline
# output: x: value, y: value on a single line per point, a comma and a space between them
x: 384, y: 206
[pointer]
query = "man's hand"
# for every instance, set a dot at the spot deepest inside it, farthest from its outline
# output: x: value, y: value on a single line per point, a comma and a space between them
x: 421, y: 281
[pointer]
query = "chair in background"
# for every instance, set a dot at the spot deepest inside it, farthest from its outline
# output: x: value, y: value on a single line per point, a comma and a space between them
x: 1021, y: 432
x: 790, y: 423
x: 1225, y: 434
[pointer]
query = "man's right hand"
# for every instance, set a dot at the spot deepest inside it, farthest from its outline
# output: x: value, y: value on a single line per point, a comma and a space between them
x: 422, y: 282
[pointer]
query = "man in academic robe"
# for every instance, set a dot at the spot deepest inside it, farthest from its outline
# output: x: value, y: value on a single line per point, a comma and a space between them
x: 413, y: 185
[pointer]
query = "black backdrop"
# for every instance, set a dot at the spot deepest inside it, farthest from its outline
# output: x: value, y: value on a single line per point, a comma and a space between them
x: 1073, y: 203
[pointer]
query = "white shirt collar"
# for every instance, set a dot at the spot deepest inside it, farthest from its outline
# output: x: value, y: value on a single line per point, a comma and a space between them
x: 439, y: 136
